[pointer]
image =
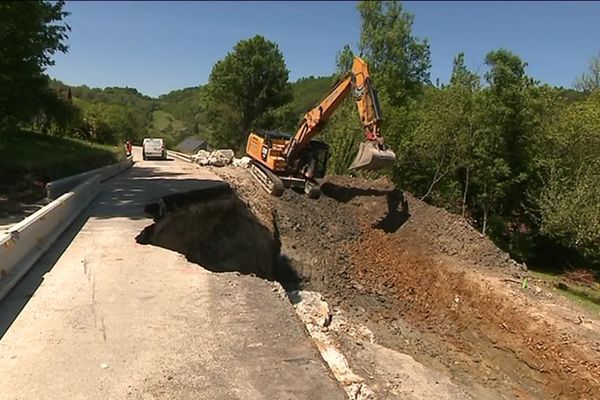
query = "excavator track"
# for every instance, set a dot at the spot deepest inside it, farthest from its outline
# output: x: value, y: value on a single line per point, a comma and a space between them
x: 268, y: 180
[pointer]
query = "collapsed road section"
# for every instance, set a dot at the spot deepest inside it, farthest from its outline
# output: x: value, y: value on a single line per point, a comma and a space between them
x: 212, y: 227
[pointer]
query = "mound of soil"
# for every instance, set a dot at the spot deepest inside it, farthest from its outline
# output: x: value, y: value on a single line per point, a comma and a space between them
x: 429, y: 285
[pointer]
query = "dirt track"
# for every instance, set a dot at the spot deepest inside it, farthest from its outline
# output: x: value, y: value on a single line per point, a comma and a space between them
x: 430, y: 286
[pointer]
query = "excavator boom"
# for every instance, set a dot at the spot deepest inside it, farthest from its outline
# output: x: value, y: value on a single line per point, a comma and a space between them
x: 372, y: 154
x: 281, y: 160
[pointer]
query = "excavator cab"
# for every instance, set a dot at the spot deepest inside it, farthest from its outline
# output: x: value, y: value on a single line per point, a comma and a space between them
x: 315, y: 159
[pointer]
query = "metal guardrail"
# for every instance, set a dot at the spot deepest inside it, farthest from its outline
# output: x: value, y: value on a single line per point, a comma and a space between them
x: 56, y: 188
x: 24, y: 243
x: 181, y: 156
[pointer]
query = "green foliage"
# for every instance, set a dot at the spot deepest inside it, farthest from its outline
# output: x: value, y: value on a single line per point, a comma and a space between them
x: 242, y: 87
x: 110, y: 115
x: 343, y: 60
x: 306, y: 94
x: 57, y: 115
x: 50, y: 156
x: 343, y: 134
x: 567, y: 160
x: 186, y: 106
x: 590, y: 80
x: 31, y: 32
x: 398, y: 60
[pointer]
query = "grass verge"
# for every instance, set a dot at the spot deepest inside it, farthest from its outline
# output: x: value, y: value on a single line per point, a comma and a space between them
x: 588, y: 296
x: 29, y: 156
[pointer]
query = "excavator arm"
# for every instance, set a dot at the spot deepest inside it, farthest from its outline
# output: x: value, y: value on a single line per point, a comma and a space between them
x: 372, y: 154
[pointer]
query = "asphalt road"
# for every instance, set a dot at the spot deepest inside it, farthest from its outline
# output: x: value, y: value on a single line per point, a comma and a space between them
x: 103, y: 317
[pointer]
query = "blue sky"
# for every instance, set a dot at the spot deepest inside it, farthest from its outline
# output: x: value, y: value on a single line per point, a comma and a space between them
x: 160, y: 46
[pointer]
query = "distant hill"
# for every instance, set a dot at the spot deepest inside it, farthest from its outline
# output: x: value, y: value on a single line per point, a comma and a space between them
x: 183, y: 104
x: 175, y: 115
x: 308, y: 91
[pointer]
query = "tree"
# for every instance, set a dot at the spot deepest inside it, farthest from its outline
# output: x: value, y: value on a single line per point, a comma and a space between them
x: 399, y: 61
x: 590, y: 80
x: 58, y: 115
x: 466, y: 86
x: 435, y: 156
x: 32, y: 31
x: 399, y: 64
x: 567, y: 161
x: 343, y: 60
x: 500, y: 163
x: 242, y: 87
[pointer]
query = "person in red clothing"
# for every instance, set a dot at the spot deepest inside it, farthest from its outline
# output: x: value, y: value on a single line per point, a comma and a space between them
x: 128, y: 147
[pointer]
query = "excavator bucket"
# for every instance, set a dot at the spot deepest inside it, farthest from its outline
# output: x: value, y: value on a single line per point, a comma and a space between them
x: 371, y: 158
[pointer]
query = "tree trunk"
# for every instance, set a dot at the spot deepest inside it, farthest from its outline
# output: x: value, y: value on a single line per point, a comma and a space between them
x: 431, y: 186
x: 485, y: 216
x: 464, y: 199
x: 436, y: 179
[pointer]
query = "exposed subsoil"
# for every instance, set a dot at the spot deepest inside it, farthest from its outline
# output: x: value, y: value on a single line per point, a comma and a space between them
x: 425, y: 283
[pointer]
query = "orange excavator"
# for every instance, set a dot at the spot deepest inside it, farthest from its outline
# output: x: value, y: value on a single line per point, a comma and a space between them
x: 281, y: 160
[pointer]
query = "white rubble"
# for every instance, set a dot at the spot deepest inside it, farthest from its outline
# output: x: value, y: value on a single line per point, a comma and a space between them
x: 317, y: 316
x: 201, y: 157
x: 218, y: 158
x: 242, y: 162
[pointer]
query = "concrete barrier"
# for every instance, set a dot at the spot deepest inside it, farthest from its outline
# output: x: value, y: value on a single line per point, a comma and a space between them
x: 24, y: 243
x: 56, y: 188
x: 181, y: 156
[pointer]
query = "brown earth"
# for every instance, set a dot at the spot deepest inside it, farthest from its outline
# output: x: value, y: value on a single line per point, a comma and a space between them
x: 429, y: 285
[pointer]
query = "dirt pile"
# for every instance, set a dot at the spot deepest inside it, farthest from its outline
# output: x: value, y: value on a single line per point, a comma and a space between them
x: 429, y: 285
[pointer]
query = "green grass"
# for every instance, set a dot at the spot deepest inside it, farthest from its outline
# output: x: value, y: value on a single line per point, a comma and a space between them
x: 49, y: 156
x: 586, y: 296
x: 160, y: 122
x: 162, y: 119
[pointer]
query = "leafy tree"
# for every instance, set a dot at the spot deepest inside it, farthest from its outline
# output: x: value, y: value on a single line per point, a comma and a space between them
x: 58, y: 114
x: 590, y: 80
x: 465, y: 85
x: 32, y: 31
x: 399, y: 64
x: 399, y: 60
x: 567, y: 161
x: 242, y: 87
x: 435, y: 156
x: 500, y: 169
x: 343, y: 60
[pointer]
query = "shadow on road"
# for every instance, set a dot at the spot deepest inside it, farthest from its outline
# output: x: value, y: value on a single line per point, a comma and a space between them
x: 127, y: 195
x: 123, y: 196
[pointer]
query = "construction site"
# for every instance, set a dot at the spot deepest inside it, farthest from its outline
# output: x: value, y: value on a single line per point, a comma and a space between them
x: 418, y: 303
x: 360, y: 208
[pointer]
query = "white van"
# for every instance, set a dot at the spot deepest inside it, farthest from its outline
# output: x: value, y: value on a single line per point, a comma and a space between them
x: 154, y: 148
